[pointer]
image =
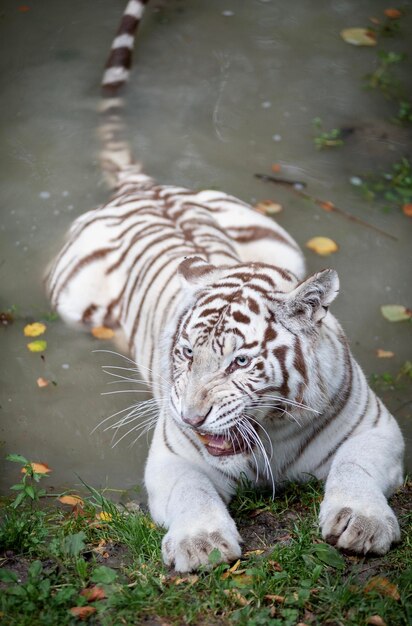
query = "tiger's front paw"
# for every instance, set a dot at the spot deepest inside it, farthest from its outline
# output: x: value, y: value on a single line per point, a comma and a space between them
x: 188, y: 547
x: 359, y: 529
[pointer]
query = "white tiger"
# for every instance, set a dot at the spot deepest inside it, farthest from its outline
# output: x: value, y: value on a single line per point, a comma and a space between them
x: 252, y: 375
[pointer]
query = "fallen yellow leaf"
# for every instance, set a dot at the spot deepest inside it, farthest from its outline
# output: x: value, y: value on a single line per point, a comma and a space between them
x: 254, y: 552
x: 322, y: 245
x: 235, y: 566
x: 359, y: 36
x: 102, y: 332
x: 376, y: 620
x: 275, y: 598
x: 71, y: 500
x: 104, y: 517
x: 242, y: 580
x: 384, y: 354
x: 37, y: 346
x: 34, y: 330
x: 257, y: 512
x: 396, y: 312
x: 382, y: 586
x: 191, y: 579
x: 42, y: 382
x: 268, y: 207
x: 39, y: 468
x: 235, y: 595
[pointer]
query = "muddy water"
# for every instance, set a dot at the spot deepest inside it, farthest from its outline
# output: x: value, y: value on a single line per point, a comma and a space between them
x: 221, y: 90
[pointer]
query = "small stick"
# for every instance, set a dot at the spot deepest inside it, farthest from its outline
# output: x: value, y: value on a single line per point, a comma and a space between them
x: 325, y: 205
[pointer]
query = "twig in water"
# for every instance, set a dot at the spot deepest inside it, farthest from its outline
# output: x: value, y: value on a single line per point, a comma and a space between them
x: 325, y: 205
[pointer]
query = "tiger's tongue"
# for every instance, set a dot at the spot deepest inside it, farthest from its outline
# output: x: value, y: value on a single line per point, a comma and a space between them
x: 216, y: 441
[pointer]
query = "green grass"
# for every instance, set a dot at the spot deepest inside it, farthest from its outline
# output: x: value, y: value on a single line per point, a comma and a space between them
x: 393, y: 188
x: 287, y: 574
x: 326, y: 138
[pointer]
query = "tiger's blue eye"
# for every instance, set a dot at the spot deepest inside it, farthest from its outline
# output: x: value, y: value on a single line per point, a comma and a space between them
x: 242, y: 360
x: 188, y: 352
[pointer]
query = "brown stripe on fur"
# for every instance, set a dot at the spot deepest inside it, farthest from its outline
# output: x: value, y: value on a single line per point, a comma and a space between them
x: 270, y: 335
x: 240, y: 317
x: 142, y: 298
x: 280, y: 353
x: 90, y: 258
x: 166, y: 440
x: 128, y: 25
x: 120, y: 57
x: 346, y: 437
x: 248, y: 234
x: 125, y: 252
x: 87, y: 313
x: 337, y: 404
x: 253, y: 305
x: 378, y: 416
x: 299, y: 360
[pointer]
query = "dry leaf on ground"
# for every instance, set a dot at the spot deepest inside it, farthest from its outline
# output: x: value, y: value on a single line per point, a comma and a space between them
x: 83, y: 612
x: 180, y: 580
x: 359, y: 36
x: 93, y: 593
x: 407, y: 209
x: 102, y: 332
x: 268, y: 207
x: 42, y: 382
x: 39, y: 468
x: 327, y: 205
x: 72, y: 500
x: 275, y: 598
x: 235, y: 595
x: 384, y: 354
x: 393, y: 14
x: 37, y: 346
x: 322, y: 245
x: 382, y: 586
x: 395, y: 312
x: 375, y: 620
x: 34, y: 330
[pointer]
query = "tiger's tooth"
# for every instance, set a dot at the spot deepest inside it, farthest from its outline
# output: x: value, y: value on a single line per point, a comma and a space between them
x: 226, y: 445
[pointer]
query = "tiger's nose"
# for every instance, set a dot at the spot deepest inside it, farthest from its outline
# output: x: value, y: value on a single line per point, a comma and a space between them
x: 194, y: 419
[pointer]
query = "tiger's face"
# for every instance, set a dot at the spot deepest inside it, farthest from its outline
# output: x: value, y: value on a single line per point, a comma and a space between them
x: 244, y: 351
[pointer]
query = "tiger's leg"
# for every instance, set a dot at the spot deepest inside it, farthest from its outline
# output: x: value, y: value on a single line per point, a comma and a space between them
x: 185, y: 500
x: 367, y: 468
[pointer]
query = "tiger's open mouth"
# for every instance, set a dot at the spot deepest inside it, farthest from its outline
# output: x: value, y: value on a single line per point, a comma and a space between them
x: 219, y: 445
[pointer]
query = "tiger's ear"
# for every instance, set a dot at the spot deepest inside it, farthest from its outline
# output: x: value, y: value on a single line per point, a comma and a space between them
x: 310, y: 300
x: 196, y: 271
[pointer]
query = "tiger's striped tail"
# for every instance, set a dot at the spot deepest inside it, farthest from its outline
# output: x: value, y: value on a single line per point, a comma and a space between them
x: 116, y: 157
x: 118, y: 64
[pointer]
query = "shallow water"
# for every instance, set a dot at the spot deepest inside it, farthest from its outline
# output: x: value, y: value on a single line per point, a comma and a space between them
x: 220, y: 90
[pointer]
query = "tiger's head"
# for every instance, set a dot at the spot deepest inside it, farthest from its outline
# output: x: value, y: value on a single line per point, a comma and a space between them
x: 244, y: 350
